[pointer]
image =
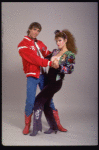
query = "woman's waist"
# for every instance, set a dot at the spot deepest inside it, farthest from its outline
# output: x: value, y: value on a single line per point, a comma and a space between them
x: 53, y: 74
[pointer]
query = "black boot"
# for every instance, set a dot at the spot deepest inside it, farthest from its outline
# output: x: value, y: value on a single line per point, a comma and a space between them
x: 37, y: 125
x: 49, y: 131
x: 51, y: 121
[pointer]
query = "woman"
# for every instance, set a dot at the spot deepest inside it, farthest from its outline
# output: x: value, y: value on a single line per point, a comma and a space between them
x: 66, y: 50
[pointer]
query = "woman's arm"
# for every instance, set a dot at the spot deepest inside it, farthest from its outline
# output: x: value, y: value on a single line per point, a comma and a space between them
x: 67, y: 62
x: 67, y: 69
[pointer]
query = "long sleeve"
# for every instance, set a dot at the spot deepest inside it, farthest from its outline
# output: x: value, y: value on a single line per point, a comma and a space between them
x: 67, y: 62
x: 68, y: 69
x: 30, y: 56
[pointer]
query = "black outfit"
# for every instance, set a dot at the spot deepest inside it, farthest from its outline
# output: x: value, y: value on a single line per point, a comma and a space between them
x: 43, y: 99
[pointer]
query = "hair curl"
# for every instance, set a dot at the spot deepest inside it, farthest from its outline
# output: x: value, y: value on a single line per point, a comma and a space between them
x: 65, y: 34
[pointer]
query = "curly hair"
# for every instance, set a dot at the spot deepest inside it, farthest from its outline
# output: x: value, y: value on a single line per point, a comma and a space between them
x: 65, y: 34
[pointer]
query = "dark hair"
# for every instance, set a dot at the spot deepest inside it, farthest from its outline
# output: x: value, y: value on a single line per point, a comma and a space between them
x: 59, y: 33
x: 34, y: 25
x: 65, y: 34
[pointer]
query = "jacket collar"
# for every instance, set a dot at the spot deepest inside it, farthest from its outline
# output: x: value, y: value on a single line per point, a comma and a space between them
x: 29, y: 39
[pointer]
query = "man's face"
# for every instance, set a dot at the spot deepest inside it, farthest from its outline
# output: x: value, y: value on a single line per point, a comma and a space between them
x: 34, y: 32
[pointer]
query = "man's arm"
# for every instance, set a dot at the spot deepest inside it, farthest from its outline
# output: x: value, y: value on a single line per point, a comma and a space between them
x: 30, y: 56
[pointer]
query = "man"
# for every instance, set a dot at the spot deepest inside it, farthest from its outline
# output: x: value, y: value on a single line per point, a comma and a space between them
x: 33, y: 52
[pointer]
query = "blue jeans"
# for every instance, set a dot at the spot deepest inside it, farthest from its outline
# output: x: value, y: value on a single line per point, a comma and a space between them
x: 31, y: 92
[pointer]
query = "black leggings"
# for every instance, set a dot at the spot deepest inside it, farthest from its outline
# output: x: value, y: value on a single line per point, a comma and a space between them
x: 43, y: 100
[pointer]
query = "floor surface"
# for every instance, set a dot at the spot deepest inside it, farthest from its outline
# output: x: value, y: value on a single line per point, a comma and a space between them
x: 81, y: 124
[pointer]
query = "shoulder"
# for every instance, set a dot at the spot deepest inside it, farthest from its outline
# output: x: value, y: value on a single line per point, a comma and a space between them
x: 21, y: 43
x: 24, y: 42
x: 69, y: 54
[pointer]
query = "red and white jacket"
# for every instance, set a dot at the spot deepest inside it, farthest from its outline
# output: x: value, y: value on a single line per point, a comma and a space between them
x: 31, y: 60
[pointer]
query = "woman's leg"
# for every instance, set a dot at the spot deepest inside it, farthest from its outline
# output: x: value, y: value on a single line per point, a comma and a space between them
x: 40, y: 100
x: 38, y: 108
x: 43, y: 82
x: 37, y: 125
x: 44, y: 96
x: 49, y: 112
x: 50, y: 119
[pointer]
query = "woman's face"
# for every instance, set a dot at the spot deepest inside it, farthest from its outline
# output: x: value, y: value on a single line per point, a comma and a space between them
x: 61, y: 43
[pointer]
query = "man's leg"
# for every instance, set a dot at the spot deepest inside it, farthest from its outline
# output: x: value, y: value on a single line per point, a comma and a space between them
x: 31, y: 92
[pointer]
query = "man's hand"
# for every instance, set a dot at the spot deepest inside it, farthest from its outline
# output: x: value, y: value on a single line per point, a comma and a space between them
x: 55, y: 64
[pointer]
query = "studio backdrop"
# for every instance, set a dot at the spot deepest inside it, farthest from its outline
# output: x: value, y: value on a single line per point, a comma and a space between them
x: 79, y: 89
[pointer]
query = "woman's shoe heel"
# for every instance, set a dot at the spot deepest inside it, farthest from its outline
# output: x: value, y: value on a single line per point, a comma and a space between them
x: 50, y: 131
x: 55, y: 131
